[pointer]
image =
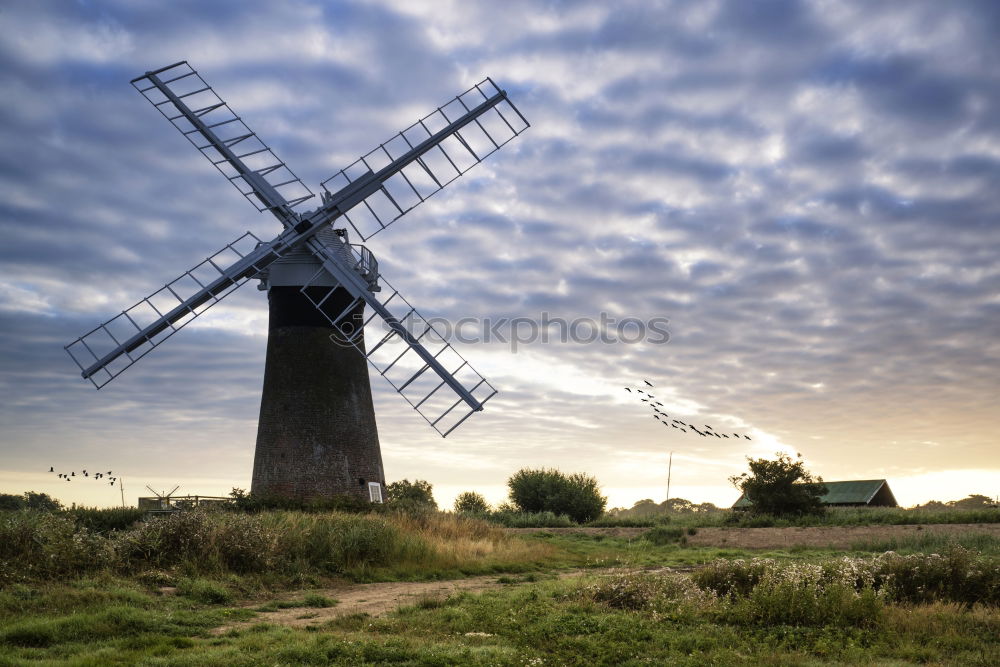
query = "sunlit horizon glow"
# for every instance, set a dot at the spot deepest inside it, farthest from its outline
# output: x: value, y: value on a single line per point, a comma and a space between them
x: 806, y: 190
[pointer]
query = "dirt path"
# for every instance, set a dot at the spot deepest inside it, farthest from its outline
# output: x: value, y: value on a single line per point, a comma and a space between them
x: 372, y: 599
x: 832, y: 537
x: 377, y: 599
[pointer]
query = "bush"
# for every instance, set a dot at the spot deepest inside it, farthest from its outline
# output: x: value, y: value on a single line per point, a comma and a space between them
x: 628, y: 521
x: 576, y: 495
x: 318, y: 601
x: 780, y: 487
x: 783, y: 591
x: 411, y: 496
x: 105, y: 520
x: 470, y: 502
x: 35, y: 544
x: 43, y: 545
x: 29, y: 500
x: 959, y: 575
x: 247, y: 502
x: 764, y: 592
x: 210, y: 541
x: 514, y: 519
x: 635, y: 591
x: 204, y: 591
x: 663, y: 535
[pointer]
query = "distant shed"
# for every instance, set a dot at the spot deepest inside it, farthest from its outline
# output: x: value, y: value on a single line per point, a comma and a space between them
x: 851, y: 493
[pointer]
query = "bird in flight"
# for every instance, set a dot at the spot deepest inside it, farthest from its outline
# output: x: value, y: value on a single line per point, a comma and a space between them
x: 648, y: 382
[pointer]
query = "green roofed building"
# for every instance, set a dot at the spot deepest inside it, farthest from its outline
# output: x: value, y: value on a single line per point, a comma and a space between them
x: 852, y: 493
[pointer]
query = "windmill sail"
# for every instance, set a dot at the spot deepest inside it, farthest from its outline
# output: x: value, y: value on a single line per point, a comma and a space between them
x: 370, y: 194
x: 193, y: 107
x: 406, y: 349
x: 383, y: 185
x: 108, y: 349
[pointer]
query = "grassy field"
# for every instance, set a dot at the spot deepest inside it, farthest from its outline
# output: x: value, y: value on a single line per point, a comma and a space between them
x: 165, y: 592
x: 834, y: 516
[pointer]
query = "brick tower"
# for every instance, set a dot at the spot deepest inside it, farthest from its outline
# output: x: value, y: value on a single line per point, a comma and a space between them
x: 316, y: 436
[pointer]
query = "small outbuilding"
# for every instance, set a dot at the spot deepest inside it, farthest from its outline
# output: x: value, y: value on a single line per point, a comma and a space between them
x: 850, y: 493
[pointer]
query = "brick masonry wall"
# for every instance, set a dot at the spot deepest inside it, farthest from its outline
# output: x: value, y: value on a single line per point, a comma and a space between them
x: 317, y: 435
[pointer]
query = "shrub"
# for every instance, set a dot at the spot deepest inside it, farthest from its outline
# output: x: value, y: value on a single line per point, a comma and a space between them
x: 780, y: 487
x: 209, y: 541
x: 629, y: 521
x: 764, y: 592
x: 849, y: 591
x: 247, y: 502
x: 9, y: 501
x: 41, y: 501
x: 661, y: 535
x: 341, y: 542
x: 318, y: 601
x: 204, y: 591
x: 29, y: 500
x: 576, y: 495
x: 470, y: 502
x: 41, y: 545
x: 515, y: 519
x: 105, y: 520
x: 35, y: 544
x: 411, y: 496
x: 634, y: 591
x: 959, y: 575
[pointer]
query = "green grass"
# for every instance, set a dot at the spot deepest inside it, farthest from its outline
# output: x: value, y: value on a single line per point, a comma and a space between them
x: 834, y: 516
x: 312, y: 600
x: 596, y: 620
x: 151, y: 594
x: 101, y: 620
x: 577, y: 550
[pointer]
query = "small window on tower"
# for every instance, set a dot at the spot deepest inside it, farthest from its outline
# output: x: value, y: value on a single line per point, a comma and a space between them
x: 375, y: 492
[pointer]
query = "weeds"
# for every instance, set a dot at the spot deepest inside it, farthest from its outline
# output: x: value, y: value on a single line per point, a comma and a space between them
x: 929, y: 542
x: 958, y: 576
x: 663, y: 535
x: 37, y: 545
x: 833, y: 516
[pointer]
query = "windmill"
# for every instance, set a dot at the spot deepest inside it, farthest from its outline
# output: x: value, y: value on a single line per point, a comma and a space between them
x: 317, y: 434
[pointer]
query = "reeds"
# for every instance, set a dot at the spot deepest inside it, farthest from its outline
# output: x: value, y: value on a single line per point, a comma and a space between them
x: 35, y: 545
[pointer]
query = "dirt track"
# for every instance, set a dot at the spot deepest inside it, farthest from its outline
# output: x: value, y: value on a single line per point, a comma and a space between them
x: 833, y: 537
x: 377, y: 599
x: 372, y: 599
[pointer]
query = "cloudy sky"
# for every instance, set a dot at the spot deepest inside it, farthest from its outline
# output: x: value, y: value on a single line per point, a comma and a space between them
x: 807, y: 190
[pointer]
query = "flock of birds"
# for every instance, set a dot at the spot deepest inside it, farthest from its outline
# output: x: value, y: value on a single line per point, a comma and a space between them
x: 706, y: 431
x: 97, y: 475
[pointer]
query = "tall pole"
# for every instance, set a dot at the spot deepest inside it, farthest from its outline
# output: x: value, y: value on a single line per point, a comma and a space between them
x: 670, y: 468
x: 121, y: 487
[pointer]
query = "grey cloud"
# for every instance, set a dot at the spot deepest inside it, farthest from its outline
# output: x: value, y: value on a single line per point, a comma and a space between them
x: 810, y: 292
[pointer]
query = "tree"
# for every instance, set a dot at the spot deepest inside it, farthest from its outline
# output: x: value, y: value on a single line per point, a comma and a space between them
x: 577, y: 495
x: 470, y: 502
x: 974, y: 501
x: 41, y: 501
x: 30, y: 500
x: 8, y: 501
x: 677, y: 506
x: 415, y: 495
x: 781, y: 486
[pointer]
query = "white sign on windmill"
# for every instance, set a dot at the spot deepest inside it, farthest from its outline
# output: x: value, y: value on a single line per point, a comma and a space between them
x: 317, y: 435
